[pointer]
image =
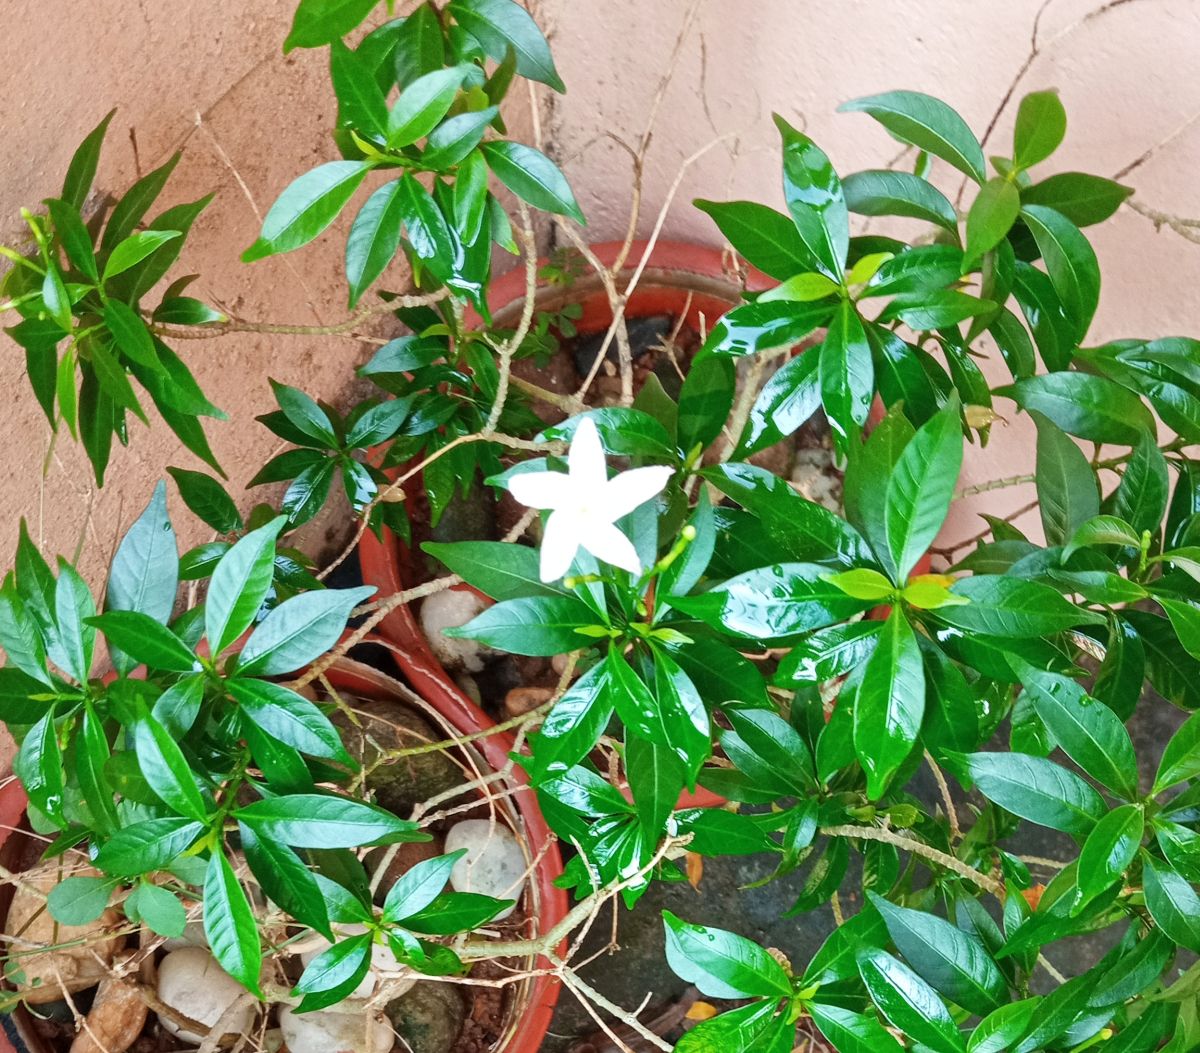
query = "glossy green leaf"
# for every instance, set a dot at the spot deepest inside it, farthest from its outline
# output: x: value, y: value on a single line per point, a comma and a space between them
x: 361, y: 104
x: 926, y: 123
x: 229, y: 924
x: 39, y: 766
x: 134, y: 249
x: 1185, y: 620
x: 374, y: 239
x: 851, y: 1032
x: 908, y: 1002
x: 452, y: 140
x: 920, y: 488
x: 785, y: 403
x: 166, y: 769
x: 721, y: 963
x: 1141, y: 497
x: 766, y: 239
x: 147, y: 846
x: 325, y: 821
x: 285, y: 879
x: 1038, y: 790
x: 1084, y: 199
x: 1040, y: 127
x: 499, y: 25
x: 144, y: 640
x: 1172, y: 902
x: 287, y: 717
x: 889, y: 704
x: 954, y: 962
x: 1084, y: 405
x: 846, y: 372
x: 1109, y: 849
x: 1070, y: 262
x: 882, y: 192
x: 533, y: 177
x: 320, y: 22
x: 82, y: 168
x: 298, y: 630
x: 422, y: 105
x: 1181, y: 758
x: 814, y: 197
x: 145, y: 570
x: 991, y: 217
x: 239, y: 585
x: 307, y: 207
x: 1010, y: 607
x: 207, y: 499
x: 498, y: 569
x: 1066, y: 484
x: 540, y: 625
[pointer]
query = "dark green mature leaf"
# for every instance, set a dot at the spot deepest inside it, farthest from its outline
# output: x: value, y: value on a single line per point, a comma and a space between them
x: 1040, y: 127
x: 1066, y: 485
x: 847, y: 372
x: 814, y: 197
x: 361, y: 103
x: 144, y: 640
x: 166, y: 769
x: 1011, y: 607
x: 76, y: 240
x: 721, y: 963
x: 229, y: 924
x: 765, y: 324
x: 499, y: 25
x: 145, y: 570
x: 1090, y: 733
x: 374, y: 239
x: 419, y: 886
x: 656, y: 776
x: 153, y: 844
x: 766, y: 239
x: 533, y: 177
x: 307, y: 207
x: 768, y: 749
x: 992, y: 215
x: 207, y: 499
x: 536, y: 625
x: 955, y: 962
x: 1141, y: 497
x: 419, y: 47
x: 422, y: 105
x: 1085, y: 405
x: 1084, y: 199
x: 851, y: 1032
x: 239, y: 585
x: 926, y: 123
x: 908, y: 1002
x: 288, y: 717
x: 455, y: 912
x: 285, y: 879
x: 883, y: 192
x: 705, y: 401
x: 334, y: 973
x: 939, y: 309
x: 773, y: 602
x: 298, y: 630
x: 306, y: 820
x: 130, y: 210
x: 82, y: 168
x: 453, y: 140
x: 1037, y: 789
x: 1185, y: 620
x: 130, y: 252
x: 74, y: 634
x: 1172, y: 902
x: 785, y: 403
x: 828, y: 653
x: 573, y: 727
x: 1181, y: 758
x: 1000, y: 1030
x: 320, y: 22
x: 1070, y: 262
x: 889, y: 704
x: 39, y: 766
x: 501, y: 570
x: 920, y: 488
x: 1109, y: 849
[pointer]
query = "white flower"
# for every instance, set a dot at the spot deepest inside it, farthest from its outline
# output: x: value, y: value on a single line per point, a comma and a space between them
x: 585, y: 505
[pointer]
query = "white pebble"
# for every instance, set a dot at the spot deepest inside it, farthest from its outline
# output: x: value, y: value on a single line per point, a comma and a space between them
x: 449, y: 609
x: 191, y: 981
x: 330, y: 1031
x: 384, y: 967
x: 494, y: 864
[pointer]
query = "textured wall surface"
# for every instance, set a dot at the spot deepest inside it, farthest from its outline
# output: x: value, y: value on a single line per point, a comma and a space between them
x: 210, y: 78
x: 1122, y: 69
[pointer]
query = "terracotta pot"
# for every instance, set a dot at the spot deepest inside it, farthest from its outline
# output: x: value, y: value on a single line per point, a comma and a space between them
x: 678, y: 279
x: 532, y: 1001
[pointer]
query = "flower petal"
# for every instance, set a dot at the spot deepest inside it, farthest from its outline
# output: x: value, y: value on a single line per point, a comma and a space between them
x: 585, y: 459
x: 560, y: 542
x: 538, y: 489
x: 624, y: 492
x: 606, y: 542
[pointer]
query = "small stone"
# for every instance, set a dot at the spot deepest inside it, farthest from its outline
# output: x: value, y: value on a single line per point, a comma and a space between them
x: 522, y: 700
x: 329, y: 1031
x: 115, y: 1020
x: 559, y: 664
x: 81, y: 954
x: 384, y: 967
x: 191, y: 981
x: 494, y: 864
x: 449, y: 609
x: 401, y: 782
x: 429, y: 1017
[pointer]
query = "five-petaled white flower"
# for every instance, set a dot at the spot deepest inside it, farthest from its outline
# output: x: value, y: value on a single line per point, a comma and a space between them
x: 585, y: 505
